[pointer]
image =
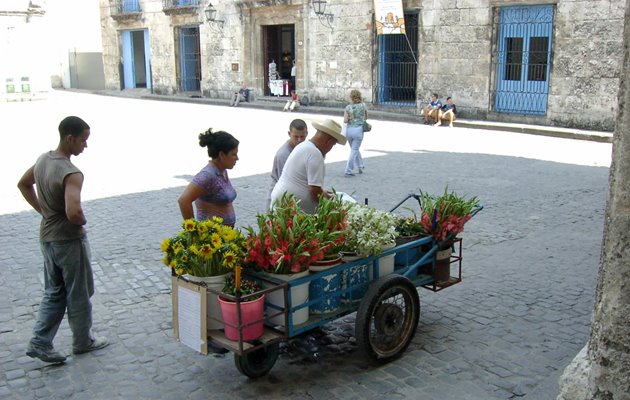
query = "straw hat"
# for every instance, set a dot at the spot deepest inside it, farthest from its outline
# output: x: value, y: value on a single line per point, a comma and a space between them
x: 331, y: 128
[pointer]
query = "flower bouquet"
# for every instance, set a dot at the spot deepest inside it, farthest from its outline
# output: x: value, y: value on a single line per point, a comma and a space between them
x: 204, y: 252
x: 443, y: 217
x: 286, y: 244
x: 369, y: 229
x: 204, y: 248
x: 288, y: 240
x: 331, y: 221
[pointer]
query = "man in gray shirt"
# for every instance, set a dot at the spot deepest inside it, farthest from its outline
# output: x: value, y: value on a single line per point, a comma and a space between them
x: 68, y: 280
x: 298, y: 130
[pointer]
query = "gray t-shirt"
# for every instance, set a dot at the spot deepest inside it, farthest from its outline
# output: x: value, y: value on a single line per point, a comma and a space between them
x: 50, y: 172
x: 278, y: 165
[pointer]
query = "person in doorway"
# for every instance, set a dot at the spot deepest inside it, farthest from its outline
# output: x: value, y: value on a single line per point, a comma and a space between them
x: 303, y: 173
x: 297, y: 134
x: 241, y: 95
x: 293, y: 102
x: 293, y: 74
x: 53, y: 188
x: 355, y: 115
x: 432, y: 109
x: 448, y: 111
x: 211, y: 190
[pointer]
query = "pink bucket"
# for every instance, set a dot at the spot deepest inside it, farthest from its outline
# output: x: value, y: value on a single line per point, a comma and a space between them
x: 251, y: 311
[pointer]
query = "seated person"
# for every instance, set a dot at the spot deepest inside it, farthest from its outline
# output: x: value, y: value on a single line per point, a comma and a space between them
x: 293, y: 102
x: 432, y: 110
x: 241, y: 95
x: 448, y: 111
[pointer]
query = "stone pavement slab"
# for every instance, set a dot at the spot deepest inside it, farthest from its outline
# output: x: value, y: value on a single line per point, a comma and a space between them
x: 522, y: 311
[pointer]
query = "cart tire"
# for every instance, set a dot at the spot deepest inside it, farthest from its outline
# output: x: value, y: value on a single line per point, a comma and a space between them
x: 387, y: 318
x: 259, y: 362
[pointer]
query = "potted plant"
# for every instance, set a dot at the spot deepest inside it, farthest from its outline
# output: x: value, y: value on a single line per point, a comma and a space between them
x: 284, y: 245
x: 443, y: 217
x: 242, y: 307
x: 408, y: 229
x: 369, y: 231
x: 205, y: 252
x: 330, y: 220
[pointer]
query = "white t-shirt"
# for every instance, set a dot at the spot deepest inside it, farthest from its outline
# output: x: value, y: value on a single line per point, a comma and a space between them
x: 305, y: 167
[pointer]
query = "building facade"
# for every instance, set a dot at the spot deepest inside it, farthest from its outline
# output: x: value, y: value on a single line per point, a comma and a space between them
x: 546, y: 62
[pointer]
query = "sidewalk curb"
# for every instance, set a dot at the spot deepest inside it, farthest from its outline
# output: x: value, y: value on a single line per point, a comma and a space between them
x: 276, y: 105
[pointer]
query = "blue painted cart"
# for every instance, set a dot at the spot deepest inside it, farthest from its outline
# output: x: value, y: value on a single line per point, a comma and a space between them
x: 387, y: 307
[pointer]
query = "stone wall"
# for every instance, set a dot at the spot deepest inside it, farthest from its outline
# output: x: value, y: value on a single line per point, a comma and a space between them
x: 586, y: 68
x: 454, y: 55
x: 457, y: 40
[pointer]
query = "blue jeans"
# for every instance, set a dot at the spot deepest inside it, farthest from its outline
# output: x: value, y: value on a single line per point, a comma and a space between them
x: 68, y: 284
x: 355, y: 137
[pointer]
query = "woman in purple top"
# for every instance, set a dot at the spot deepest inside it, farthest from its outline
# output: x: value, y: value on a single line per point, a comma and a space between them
x: 211, y: 190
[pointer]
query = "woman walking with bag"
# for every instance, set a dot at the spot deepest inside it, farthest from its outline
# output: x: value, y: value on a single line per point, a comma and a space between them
x: 355, y: 115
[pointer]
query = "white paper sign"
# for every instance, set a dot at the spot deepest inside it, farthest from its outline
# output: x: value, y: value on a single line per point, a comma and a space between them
x: 189, y: 317
x: 389, y: 17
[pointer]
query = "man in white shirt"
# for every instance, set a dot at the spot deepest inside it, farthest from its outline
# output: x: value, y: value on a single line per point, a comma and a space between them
x: 303, y: 173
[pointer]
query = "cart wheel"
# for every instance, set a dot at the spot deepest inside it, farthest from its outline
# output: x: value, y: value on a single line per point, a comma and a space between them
x: 387, y: 318
x: 259, y: 362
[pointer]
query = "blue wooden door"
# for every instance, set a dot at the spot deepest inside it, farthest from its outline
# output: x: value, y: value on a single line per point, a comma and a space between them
x: 190, y: 64
x: 525, y: 34
x: 131, y: 56
x: 129, y: 74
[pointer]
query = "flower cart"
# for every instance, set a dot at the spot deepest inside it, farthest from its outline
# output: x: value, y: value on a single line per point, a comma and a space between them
x: 387, y: 305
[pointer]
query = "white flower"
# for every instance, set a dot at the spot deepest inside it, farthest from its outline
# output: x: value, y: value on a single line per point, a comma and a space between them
x: 369, y: 229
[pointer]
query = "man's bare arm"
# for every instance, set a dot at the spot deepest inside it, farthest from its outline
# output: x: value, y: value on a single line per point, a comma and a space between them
x: 74, y: 212
x: 27, y: 188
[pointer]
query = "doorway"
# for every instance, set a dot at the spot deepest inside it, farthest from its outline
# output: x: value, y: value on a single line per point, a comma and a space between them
x: 397, y: 65
x: 524, y: 56
x: 136, y: 59
x: 189, y: 59
x: 279, y: 49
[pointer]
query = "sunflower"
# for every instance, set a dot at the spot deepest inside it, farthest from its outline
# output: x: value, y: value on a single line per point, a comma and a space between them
x: 206, y: 251
x: 165, y: 245
x: 190, y: 225
x: 216, y: 241
x: 229, y: 259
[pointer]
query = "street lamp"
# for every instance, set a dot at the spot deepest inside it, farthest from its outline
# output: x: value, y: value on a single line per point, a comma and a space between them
x: 211, y: 15
x: 319, y: 6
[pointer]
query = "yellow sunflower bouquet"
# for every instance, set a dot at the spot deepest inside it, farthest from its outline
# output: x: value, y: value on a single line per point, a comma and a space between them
x: 204, y: 248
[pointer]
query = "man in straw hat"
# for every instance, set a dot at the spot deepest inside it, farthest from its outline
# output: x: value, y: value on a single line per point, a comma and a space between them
x: 303, y: 173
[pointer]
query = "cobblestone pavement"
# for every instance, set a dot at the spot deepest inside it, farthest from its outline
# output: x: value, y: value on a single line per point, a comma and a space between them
x: 521, y: 313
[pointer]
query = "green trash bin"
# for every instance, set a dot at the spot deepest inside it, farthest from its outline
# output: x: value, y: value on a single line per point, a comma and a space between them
x: 26, y: 86
x: 10, y: 86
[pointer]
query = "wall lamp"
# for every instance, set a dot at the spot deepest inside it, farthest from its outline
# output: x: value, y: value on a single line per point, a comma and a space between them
x: 319, y: 6
x: 211, y: 15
